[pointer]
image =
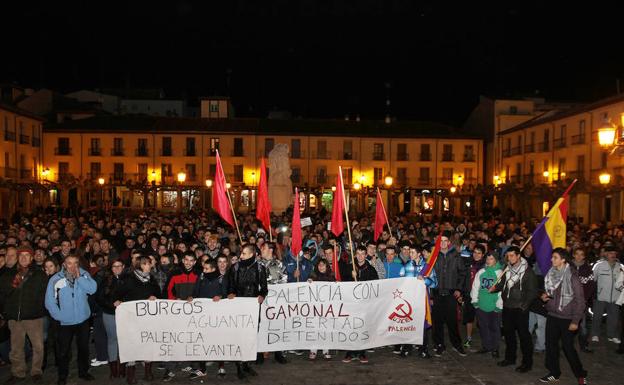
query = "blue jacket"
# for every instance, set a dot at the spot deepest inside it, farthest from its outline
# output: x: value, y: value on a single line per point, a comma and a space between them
x: 305, y: 268
x: 414, y: 269
x: 393, y: 269
x: 66, y: 303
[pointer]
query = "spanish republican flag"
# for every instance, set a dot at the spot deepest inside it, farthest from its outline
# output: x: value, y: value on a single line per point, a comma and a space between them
x: 551, y: 232
x: 432, y: 258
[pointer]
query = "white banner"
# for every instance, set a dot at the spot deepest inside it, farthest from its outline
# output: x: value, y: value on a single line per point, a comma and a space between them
x: 343, y: 315
x: 201, y: 330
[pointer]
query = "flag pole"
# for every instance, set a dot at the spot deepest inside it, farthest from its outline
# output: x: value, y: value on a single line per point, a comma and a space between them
x: 384, y: 211
x: 507, y: 266
x: 346, y: 208
x: 227, y: 192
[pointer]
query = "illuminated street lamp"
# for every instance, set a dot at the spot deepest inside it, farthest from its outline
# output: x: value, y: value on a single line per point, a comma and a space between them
x: 357, y: 186
x: 546, y: 174
x: 228, y: 185
x: 606, y: 134
x: 208, y: 183
x: 604, y: 178
x: 101, y: 181
x: 45, y: 172
x: 333, y: 188
x: 453, y: 189
x: 181, y: 176
x: 388, y: 181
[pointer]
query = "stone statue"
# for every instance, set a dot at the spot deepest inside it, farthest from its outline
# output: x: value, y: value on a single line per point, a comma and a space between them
x: 280, y: 185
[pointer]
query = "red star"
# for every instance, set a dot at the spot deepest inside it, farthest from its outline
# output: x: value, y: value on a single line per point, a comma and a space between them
x: 397, y: 293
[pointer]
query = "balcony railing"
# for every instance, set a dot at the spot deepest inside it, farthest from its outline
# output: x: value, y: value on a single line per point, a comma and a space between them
x: 26, y: 173
x: 578, y: 139
x: 470, y: 181
x: 95, y: 152
x: 36, y: 141
x: 379, y: 156
x: 516, y: 179
x: 506, y: 152
x: 117, y: 152
x: 62, y: 151
x: 559, y: 143
x: 543, y: 147
x: 402, y: 157
x: 402, y: 181
x: 9, y: 135
x: 321, y: 179
x: 141, y: 151
x: 9, y: 172
x: 529, y: 178
x: 448, y: 157
x: 515, y: 151
x: 119, y: 177
x: 321, y: 155
x: 347, y: 155
x: 190, y: 152
x: 65, y: 176
x: 529, y: 148
x: 297, y: 154
x: 237, y: 153
x: 469, y: 157
x: 425, y: 157
x: 424, y: 181
x: 166, y: 152
x: 24, y: 139
x: 580, y: 175
x: 445, y: 182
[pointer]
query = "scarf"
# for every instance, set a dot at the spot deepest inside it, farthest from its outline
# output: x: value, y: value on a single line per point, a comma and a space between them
x: 68, y: 277
x: 19, y: 276
x: 563, y: 278
x: 515, y: 273
x: 141, y: 276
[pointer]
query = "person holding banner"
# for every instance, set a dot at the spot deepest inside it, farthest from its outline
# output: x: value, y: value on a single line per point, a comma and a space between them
x: 363, y: 272
x: 322, y: 272
x: 248, y: 278
x: 140, y: 285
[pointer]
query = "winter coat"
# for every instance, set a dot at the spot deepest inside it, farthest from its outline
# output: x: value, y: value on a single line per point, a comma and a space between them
x: 619, y: 283
x: 106, y: 292
x: 605, y: 276
x: 586, y: 276
x: 480, y: 295
x: 574, y: 310
x: 181, y: 285
x: 26, y: 301
x: 210, y: 285
x: 68, y: 303
x: 366, y: 272
x: 248, y: 278
x: 133, y: 289
x: 451, y: 271
x: 522, y: 294
x: 276, y: 271
x: 414, y: 269
x: 305, y: 268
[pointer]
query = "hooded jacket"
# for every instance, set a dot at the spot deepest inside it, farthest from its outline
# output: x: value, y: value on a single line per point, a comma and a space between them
x: 68, y: 303
x: 248, y: 278
x: 606, y: 276
x: 480, y: 294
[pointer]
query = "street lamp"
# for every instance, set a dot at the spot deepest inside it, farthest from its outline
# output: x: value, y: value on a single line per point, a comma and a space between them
x: 208, y: 183
x: 101, y: 181
x: 181, y: 179
x: 45, y: 172
x: 606, y: 134
x: 453, y: 189
x: 388, y: 180
x: 604, y: 178
x: 181, y: 176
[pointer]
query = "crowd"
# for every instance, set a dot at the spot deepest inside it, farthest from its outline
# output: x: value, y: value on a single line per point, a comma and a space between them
x: 62, y: 277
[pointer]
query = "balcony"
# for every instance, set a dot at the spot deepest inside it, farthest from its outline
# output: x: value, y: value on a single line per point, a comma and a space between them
x: 543, y: 147
x: 515, y: 151
x: 26, y: 173
x: 516, y: 179
x: 379, y: 156
x: 65, y: 177
x: 166, y: 152
x: 62, y: 151
x: 95, y: 152
x: 448, y: 157
x: 191, y: 177
x: 141, y: 151
x: 24, y: 139
x: 94, y: 176
x: 117, y: 152
x: 321, y: 179
x: 347, y: 155
x: 402, y: 157
x: 9, y: 172
x: 424, y: 181
x: 469, y: 157
x: 9, y: 136
x: 506, y: 152
x: 559, y: 143
x: 237, y: 153
x: 401, y: 181
x: 190, y: 152
x: 578, y: 139
x: 470, y: 181
x: 321, y: 155
x: 529, y: 179
x: 425, y: 157
x: 119, y: 177
x: 36, y: 141
x: 529, y: 148
x: 580, y: 175
x: 297, y: 154
x: 445, y: 182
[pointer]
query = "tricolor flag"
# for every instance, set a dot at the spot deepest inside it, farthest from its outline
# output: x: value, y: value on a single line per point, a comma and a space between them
x: 431, y: 261
x: 428, y: 320
x: 551, y: 232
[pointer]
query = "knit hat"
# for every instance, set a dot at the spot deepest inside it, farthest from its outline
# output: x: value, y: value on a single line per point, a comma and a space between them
x: 25, y: 249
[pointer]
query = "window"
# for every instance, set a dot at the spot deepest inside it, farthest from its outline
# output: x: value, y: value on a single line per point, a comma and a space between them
x: 347, y: 150
x: 423, y: 176
x: 117, y: 147
x: 447, y: 153
x: 425, y: 152
x: 468, y: 176
x: 347, y: 176
x: 469, y: 155
x: 321, y: 149
x: 545, y: 165
x: 191, y: 172
x: 214, y: 146
x: 546, y: 143
x: 402, y: 152
x: 531, y: 170
x: 166, y: 146
x: 212, y: 170
x: 63, y: 147
x: 580, y: 165
x: 402, y: 175
x: 269, y: 143
x: 447, y: 175
x: 190, y: 146
x: 295, y: 175
x: 142, y: 147
x: 142, y: 171
x: 295, y: 148
x: 518, y: 173
x: 63, y: 168
x: 321, y: 175
x: 378, y: 175
x: 238, y: 147
x: 603, y: 159
x: 238, y: 173
x: 513, y: 110
x: 95, y: 149
x: 214, y: 106
x: 562, y: 167
x: 165, y: 170
x: 378, y: 151
x: 96, y: 170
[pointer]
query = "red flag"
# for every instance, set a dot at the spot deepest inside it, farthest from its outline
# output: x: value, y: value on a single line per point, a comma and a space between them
x: 295, y: 247
x: 263, y: 210
x: 380, y: 216
x: 426, y: 271
x: 335, y: 265
x: 337, y: 220
x: 220, y: 201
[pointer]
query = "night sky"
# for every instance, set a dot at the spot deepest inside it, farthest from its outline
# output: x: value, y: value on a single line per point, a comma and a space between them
x: 321, y: 59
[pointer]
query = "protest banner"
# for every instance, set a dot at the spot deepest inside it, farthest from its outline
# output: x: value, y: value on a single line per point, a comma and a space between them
x: 342, y: 315
x: 201, y: 330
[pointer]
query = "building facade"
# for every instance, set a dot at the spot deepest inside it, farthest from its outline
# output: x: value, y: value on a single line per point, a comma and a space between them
x: 542, y: 156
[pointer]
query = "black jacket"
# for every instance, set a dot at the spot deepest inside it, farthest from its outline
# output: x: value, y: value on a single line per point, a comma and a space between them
x: 106, y: 290
x: 27, y: 301
x: 451, y: 271
x: 366, y: 272
x: 210, y: 285
x: 248, y: 278
x: 135, y: 290
x: 522, y: 294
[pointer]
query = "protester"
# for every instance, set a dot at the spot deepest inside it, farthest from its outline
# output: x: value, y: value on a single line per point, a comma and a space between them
x: 488, y: 306
x: 566, y: 307
x: 586, y: 276
x: 606, y: 272
x: 66, y: 300
x: 474, y: 263
x: 322, y: 272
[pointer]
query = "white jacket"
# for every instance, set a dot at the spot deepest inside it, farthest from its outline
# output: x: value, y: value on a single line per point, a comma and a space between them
x: 606, y: 275
x: 619, y: 284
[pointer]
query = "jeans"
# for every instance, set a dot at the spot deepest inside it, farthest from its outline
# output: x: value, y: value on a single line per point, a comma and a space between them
x: 540, y: 330
x: 517, y: 321
x: 489, y: 329
x: 99, y: 335
x: 444, y: 312
x: 66, y: 335
x: 19, y: 330
x: 556, y: 330
x: 613, y: 315
x: 111, y: 336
